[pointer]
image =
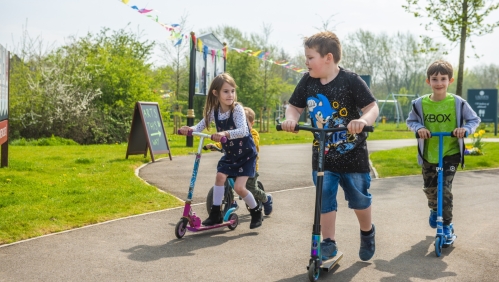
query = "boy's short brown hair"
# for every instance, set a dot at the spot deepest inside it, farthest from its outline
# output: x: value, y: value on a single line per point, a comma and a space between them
x: 440, y: 67
x: 250, y: 114
x: 325, y: 42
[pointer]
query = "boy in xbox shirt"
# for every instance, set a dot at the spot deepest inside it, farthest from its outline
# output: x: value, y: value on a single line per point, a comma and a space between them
x: 441, y: 112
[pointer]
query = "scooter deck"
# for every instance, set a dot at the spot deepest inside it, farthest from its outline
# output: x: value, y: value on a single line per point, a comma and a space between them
x: 327, y: 265
x: 448, y: 243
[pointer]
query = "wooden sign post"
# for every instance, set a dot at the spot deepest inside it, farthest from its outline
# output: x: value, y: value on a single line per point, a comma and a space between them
x: 147, y: 131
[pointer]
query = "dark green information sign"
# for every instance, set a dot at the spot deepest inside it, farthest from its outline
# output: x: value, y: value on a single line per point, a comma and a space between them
x: 484, y: 103
x: 147, y: 131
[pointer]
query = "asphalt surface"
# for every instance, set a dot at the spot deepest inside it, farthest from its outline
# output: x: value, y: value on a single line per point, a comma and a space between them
x: 144, y: 247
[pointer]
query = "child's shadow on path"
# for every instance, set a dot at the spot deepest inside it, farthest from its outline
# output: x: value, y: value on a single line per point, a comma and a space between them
x: 182, y: 247
x: 416, y: 263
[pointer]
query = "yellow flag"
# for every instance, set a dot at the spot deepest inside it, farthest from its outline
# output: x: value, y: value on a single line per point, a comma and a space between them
x: 256, y: 53
x: 125, y: 1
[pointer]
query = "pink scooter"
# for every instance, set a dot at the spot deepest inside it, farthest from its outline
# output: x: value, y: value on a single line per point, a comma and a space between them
x: 189, y: 220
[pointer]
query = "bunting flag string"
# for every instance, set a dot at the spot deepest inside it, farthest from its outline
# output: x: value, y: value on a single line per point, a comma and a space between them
x: 265, y: 56
x: 174, y: 29
x: 202, y: 48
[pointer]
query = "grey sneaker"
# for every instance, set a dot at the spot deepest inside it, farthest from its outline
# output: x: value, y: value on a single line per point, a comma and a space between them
x: 367, y: 246
x: 328, y: 249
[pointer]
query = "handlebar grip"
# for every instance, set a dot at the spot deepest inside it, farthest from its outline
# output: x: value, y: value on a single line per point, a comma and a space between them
x: 278, y: 127
x: 368, y: 128
x: 189, y: 133
x: 223, y: 139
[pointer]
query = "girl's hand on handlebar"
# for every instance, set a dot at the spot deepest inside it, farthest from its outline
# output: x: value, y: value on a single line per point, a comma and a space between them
x: 424, y: 133
x: 184, y: 130
x: 459, y: 132
x: 289, y: 126
x: 355, y: 126
x: 218, y: 136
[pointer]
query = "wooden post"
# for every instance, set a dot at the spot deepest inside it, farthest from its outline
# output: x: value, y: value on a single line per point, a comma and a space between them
x: 261, y: 118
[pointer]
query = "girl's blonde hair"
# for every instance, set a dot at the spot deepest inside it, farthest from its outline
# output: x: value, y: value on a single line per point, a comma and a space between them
x: 212, y: 102
x: 250, y: 114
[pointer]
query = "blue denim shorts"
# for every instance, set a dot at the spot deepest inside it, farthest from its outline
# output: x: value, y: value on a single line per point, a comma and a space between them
x: 355, y: 187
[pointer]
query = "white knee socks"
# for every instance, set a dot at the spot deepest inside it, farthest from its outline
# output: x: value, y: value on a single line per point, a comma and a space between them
x: 218, y: 195
x: 250, y: 200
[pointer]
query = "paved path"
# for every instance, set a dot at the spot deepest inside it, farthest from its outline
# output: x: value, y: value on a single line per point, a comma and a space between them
x: 144, y: 247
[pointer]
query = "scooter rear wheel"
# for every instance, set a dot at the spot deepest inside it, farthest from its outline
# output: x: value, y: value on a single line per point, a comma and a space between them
x: 234, y: 217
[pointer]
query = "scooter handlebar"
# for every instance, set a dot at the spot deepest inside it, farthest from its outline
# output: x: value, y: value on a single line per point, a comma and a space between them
x: 192, y: 133
x: 366, y: 128
x: 451, y: 134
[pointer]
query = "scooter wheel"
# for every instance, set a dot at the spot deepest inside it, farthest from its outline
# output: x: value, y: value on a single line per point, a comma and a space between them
x: 438, y: 246
x: 235, y: 218
x: 228, y: 198
x: 181, y: 228
x: 313, y: 273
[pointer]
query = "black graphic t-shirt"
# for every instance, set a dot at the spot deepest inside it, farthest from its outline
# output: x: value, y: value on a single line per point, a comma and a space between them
x: 333, y: 105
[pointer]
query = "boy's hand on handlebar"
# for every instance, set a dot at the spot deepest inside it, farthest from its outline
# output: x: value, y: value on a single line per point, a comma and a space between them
x: 289, y: 126
x: 459, y: 132
x: 355, y: 126
x: 424, y: 133
x: 184, y: 130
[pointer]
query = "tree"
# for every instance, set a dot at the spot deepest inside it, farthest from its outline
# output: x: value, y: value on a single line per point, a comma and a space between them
x: 260, y: 83
x: 393, y: 62
x: 85, y: 90
x: 458, y: 21
x: 175, y: 51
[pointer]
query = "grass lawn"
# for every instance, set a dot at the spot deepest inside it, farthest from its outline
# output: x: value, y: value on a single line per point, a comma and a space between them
x: 51, y: 188
x: 47, y: 189
x: 406, y: 161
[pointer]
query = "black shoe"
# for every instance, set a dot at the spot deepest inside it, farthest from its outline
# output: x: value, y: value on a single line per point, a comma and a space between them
x: 367, y: 245
x: 215, y: 217
x: 256, y: 217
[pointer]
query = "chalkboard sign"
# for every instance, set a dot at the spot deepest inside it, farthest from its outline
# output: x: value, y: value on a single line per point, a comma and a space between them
x: 147, y: 131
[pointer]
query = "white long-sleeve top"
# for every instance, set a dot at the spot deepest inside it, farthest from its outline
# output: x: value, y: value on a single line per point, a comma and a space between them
x: 239, y: 117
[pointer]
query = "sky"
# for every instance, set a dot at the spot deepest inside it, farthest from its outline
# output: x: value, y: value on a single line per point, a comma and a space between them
x: 55, y: 20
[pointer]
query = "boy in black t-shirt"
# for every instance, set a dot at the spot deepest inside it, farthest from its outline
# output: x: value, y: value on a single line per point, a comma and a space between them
x: 336, y: 97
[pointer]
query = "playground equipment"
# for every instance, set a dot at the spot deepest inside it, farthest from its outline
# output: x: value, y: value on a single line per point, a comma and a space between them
x: 399, y: 112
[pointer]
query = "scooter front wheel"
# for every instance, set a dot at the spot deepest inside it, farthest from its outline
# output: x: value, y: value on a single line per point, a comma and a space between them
x: 181, y: 228
x: 313, y: 272
x: 228, y: 198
